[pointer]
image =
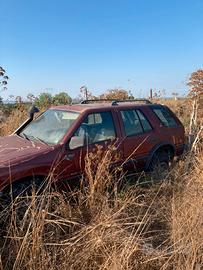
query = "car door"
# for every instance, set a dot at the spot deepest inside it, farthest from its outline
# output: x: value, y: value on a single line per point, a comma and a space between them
x: 139, y: 138
x: 98, y: 129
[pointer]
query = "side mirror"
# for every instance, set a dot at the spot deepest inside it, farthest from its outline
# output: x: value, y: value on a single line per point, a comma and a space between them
x: 75, y: 142
x: 32, y: 111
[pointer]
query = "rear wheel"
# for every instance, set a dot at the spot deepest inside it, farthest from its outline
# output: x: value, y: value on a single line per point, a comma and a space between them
x: 160, y: 165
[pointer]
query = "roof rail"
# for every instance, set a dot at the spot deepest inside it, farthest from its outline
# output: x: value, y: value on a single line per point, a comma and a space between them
x: 116, y: 101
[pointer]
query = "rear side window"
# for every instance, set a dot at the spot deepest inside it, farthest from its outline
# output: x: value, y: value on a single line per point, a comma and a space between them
x: 145, y: 123
x: 134, y: 122
x: 165, y: 117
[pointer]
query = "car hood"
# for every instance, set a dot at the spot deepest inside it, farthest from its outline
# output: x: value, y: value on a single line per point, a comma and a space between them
x: 14, y: 149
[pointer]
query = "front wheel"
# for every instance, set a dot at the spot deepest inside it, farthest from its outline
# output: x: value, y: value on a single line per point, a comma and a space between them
x: 23, y: 188
x: 19, y: 196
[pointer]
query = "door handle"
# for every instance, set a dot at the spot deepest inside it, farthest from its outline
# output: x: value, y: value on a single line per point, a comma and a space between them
x: 69, y: 156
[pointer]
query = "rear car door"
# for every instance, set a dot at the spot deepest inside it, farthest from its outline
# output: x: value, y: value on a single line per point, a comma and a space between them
x: 139, y: 138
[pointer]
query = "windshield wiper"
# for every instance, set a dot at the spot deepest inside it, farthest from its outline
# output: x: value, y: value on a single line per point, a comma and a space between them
x: 23, y: 135
x: 31, y: 137
x: 42, y: 141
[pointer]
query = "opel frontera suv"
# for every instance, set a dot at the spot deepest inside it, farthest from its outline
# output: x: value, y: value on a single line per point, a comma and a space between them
x: 59, y: 139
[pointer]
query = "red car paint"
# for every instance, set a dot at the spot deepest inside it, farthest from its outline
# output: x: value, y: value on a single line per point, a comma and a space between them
x: 21, y: 159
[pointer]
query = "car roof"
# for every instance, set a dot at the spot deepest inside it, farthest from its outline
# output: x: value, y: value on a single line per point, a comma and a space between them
x: 105, y: 105
x: 92, y: 106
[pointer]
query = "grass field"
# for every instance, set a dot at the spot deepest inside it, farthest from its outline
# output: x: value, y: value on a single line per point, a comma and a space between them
x: 100, y: 227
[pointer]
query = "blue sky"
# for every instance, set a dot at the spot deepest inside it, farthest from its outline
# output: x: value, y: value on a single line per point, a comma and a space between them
x: 135, y: 44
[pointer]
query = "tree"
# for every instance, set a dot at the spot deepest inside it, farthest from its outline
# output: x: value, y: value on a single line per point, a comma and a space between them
x: 130, y: 95
x: 1, y: 101
x: 3, y: 80
x: 196, y: 83
x: 44, y: 100
x: 18, y: 99
x: 30, y: 97
x: 86, y: 94
x: 117, y: 93
x: 159, y: 93
x: 62, y: 98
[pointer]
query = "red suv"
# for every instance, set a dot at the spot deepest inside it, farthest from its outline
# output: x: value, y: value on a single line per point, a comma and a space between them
x: 144, y: 133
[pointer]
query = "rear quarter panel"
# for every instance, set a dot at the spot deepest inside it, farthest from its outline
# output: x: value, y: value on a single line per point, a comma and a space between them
x: 175, y: 135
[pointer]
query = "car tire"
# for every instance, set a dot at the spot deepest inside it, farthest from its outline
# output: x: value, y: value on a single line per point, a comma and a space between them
x: 160, y: 165
x: 23, y: 187
x: 18, y: 197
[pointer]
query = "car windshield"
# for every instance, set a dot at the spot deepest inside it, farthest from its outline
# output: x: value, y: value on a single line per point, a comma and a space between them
x: 50, y: 127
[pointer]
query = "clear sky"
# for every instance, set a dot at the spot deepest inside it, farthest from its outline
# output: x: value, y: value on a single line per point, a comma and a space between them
x: 60, y: 45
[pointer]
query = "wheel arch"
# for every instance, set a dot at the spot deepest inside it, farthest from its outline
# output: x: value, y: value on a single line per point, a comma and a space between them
x: 164, y: 146
x: 18, y: 181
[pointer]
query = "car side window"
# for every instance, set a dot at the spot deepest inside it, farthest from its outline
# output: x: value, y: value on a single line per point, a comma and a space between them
x: 131, y: 122
x: 145, y: 123
x: 95, y: 128
x: 165, y: 117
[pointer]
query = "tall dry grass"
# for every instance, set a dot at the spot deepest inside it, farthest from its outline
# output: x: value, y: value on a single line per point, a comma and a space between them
x: 97, y: 227
x: 187, y: 220
x: 12, y: 120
